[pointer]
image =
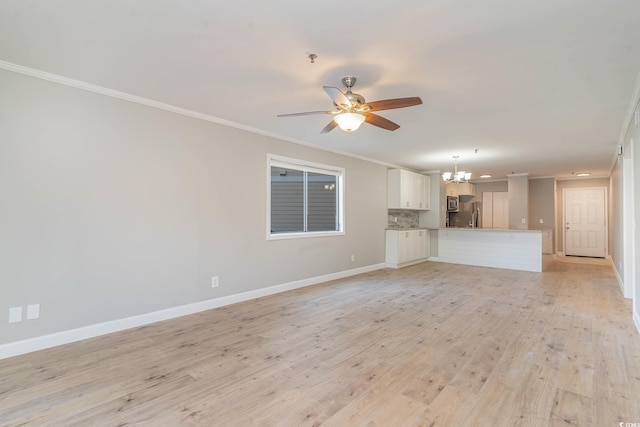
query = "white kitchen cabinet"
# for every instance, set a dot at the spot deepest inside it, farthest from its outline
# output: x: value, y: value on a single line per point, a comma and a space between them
x: 466, y: 189
x: 408, y: 190
x: 487, y: 209
x: 461, y: 189
x: 406, y: 247
x: 495, y: 209
x: 452, y: 189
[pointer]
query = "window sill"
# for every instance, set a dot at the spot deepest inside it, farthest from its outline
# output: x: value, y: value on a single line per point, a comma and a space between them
x: 283, y: 236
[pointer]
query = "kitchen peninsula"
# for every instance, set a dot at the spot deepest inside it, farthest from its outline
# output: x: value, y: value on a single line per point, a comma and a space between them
x: 486, y: 247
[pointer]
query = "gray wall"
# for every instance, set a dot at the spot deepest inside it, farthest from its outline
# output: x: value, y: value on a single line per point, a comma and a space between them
x: 631, y: 143
x: 542, y: 196
x: 490, y: 186
x: 541, y: 203
x: 616, y: 221
x: 112, y: 209
x: 518, y: 202
x: 628, y: 264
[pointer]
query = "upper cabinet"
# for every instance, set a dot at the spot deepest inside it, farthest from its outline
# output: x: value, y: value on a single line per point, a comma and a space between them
x: 466, y: 189
x: 461, y: 189
x: 408, y: 190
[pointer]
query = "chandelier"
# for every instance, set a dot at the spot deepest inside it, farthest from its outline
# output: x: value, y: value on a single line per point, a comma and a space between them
x: 456, y: 176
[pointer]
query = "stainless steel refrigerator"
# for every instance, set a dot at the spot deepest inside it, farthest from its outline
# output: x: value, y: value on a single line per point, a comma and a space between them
x: 469, y: 215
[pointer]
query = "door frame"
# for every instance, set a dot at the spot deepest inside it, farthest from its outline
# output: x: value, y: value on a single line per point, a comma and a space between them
x: 606, y: 218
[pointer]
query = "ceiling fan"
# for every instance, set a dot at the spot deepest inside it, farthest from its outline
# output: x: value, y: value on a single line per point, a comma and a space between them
x: 352, y: 110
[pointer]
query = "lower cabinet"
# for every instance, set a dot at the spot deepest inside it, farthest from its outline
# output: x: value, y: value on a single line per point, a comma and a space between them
x: 406, y: 247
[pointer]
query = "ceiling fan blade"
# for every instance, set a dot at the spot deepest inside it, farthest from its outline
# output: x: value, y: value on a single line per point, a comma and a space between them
x: 308, y: 113
x: 329, y: 127
x: 381, y: 122
x: 339, y: 98
x: 389, y: 104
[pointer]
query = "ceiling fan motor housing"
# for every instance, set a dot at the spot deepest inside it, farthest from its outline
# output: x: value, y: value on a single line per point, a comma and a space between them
x: 355, y: 98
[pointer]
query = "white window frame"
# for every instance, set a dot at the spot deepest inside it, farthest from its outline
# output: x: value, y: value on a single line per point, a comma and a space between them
x: 306, y: 166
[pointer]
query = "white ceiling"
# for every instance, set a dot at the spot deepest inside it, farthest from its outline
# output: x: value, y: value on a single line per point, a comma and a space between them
x: 537, y: 86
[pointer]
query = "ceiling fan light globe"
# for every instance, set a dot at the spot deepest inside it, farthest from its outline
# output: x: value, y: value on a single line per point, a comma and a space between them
x: 349, y: 122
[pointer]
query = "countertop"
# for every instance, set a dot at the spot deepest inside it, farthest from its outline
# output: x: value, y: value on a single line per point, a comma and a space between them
x: 406, y: 228
x: 510, y: 230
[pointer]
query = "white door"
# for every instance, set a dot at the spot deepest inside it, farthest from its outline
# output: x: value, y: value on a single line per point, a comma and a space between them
x: 487, y: 209
x: 495, y: 209
x: 585, y: 222
x: 501, y: 210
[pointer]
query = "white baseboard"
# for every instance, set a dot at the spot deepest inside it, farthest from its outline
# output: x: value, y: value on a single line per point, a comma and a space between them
x: 619, y: 279
x: 406, y: 264
x: 636, y: 320
x: 65, y: 337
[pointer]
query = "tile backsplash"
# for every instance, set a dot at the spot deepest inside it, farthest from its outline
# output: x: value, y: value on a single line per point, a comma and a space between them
x: 405, y: 218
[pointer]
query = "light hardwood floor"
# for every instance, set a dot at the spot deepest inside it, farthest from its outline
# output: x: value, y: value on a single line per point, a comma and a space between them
x: 428, y: 345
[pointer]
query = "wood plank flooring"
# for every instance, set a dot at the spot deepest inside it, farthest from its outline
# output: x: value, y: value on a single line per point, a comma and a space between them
x: 428, y: 345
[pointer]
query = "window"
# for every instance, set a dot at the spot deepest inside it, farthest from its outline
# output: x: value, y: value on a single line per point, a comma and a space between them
x: 304, y: 199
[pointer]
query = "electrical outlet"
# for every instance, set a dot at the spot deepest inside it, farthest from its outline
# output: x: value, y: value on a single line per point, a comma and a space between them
x: 214, y: 282
x: 541, y: 221
x: 15, y: 314
x: 353, y: 258
x: 524, y: 220
x: 33, y: 311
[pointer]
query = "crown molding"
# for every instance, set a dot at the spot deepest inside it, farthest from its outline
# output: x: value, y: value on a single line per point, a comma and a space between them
x: 78, y: 84
x: 542, y: 177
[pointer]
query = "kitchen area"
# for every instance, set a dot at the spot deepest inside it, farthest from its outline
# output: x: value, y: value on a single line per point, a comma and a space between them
x: 462, y: 209
x: 462, y: 225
